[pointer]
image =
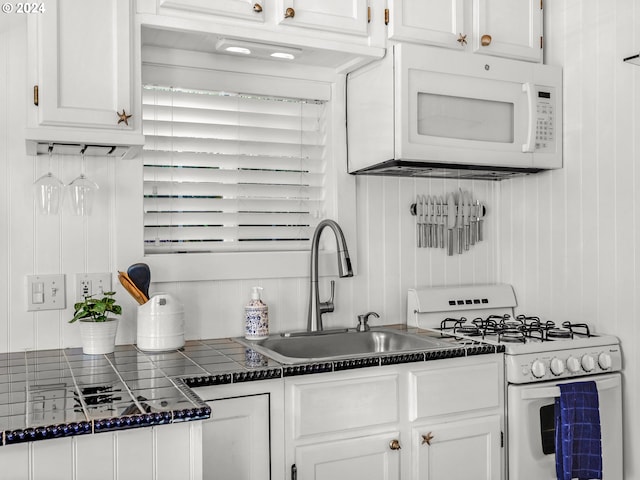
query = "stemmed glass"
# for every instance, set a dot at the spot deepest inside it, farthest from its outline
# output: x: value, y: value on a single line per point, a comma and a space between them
x: 48, y: 190
x: 82, y: 191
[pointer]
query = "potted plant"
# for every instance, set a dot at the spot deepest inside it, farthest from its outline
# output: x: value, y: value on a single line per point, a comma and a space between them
x: 98, y: 324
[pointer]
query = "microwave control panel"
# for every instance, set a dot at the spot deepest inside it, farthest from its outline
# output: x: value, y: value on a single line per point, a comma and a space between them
x: 546, y: 119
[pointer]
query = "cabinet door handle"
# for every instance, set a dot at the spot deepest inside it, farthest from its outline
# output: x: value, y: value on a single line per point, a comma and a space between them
x: 123, y: 117
x: 394, y: 445
x: 427, y: 438
x: 289, y: 13
x: 462, y: 39
x: 257, y: 8
x: 485, y: 40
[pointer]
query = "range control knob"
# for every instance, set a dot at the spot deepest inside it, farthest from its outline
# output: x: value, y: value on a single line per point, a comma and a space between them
x: 557, y: 366
x: 538, y: 369
x: 573, y: 365
x: 604, y: 360
x: 588, y: 363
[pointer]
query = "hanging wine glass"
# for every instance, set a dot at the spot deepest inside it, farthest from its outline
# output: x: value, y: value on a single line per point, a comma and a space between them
x: 48, y: 191
x: 82, y: 191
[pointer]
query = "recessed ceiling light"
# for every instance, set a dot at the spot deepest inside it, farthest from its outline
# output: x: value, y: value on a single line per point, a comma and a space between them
x: 243, y: 50
x: 287, y: 56
x: 255, y: 49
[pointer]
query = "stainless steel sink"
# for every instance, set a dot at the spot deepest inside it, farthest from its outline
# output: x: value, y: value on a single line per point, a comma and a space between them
x: 330, y: 346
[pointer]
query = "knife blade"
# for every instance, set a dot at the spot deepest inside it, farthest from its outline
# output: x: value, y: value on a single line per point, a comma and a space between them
x: 466, y: 213
x: 482, y: 212
x: 474, y: 219
x: 419, y: 221
x: 451, y: 222
x: 441, y: 221
x: 429, y: 221
x: 459, y: 221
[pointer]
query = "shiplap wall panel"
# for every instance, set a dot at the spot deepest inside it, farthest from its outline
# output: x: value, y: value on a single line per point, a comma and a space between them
x: 585, y: 264
x: 95, y: 457
x: 6, y: 47
x: 15, y: 466
x: 52, y: 459
x: 134, y: 453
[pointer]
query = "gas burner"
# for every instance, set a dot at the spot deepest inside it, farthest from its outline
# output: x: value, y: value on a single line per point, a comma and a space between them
x: 466, y: 329
x: 559, y: 333
x: 512, y: 335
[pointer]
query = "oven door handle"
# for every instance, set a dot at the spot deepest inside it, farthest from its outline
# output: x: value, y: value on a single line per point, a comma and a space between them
x: 553, y: 392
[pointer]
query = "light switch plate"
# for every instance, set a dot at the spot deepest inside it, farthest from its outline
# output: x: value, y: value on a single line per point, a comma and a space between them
x: 46, y: 292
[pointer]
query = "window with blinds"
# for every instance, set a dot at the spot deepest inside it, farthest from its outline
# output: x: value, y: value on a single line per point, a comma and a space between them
x: 231, y: 172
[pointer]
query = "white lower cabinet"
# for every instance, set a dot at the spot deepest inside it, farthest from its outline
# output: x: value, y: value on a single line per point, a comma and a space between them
x: 439, y: 420
x: 368, y: 458
x: 243, y: 438
x: 467, y: 449
x: 236, y: 439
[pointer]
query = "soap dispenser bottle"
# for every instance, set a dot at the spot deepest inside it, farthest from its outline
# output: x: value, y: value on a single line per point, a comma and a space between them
x: 256, y: 317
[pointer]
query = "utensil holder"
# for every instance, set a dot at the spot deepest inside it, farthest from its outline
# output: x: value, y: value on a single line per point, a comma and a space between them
x: 161, y: 324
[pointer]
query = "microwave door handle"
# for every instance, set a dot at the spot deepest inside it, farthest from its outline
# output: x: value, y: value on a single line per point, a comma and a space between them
x: 553, y: 392
x: 529, y: 89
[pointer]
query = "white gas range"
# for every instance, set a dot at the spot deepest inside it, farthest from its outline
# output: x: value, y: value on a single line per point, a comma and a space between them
x: 539, y: 356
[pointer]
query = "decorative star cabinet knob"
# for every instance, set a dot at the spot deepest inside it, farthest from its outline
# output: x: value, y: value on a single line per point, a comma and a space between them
x: 123, y: 117
x: 462, y: 39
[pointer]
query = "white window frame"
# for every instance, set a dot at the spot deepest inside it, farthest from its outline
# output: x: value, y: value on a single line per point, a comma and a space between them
x: 341, y: 190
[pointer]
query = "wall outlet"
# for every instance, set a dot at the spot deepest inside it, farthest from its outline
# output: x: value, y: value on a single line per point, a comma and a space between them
x: 88, y: 284
x: 46, y: 292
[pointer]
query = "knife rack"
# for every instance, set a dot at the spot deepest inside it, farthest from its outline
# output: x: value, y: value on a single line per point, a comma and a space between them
x: 455, y: 224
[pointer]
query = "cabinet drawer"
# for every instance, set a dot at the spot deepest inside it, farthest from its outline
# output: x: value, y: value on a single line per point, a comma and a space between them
x: 466, y: 387
x: 351, y: 403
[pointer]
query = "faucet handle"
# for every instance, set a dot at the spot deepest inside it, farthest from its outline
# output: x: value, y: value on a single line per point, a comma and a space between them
x: 326, y: 307
x: 363, y: 326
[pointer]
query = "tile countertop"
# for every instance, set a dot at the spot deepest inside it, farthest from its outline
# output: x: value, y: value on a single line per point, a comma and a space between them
x: 58, y: 393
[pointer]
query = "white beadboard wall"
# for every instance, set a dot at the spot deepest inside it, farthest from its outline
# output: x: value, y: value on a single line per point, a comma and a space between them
x: 569, y: 239
x: 31, y: 243
x: 166, y: 452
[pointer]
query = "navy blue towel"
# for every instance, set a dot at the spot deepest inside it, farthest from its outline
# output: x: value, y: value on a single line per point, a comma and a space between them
x: 578, y: 436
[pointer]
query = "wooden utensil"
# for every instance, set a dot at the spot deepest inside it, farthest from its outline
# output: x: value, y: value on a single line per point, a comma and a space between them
x: 130, y: 287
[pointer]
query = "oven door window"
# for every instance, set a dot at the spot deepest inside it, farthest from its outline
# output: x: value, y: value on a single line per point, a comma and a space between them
x: 548, y: 429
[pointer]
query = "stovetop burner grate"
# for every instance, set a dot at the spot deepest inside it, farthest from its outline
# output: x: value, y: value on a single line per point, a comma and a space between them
x: 522, y: 329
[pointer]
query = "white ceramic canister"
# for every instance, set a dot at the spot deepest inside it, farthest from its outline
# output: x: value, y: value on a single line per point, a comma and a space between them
x: 161, y: 324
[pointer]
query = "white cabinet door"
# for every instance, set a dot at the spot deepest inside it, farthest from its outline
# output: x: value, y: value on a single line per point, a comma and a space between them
x: 370, y: 457
x: 235, y: 440
x: 434, y: 22
x: 505, y: 28
x: 343, y: 16
x: 83, y: 60
x: 464, y: 449
x: 251, y: 10
x: 508, y: 28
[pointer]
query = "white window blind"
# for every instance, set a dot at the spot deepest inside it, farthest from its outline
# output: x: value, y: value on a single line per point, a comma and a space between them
x: 231, y: 172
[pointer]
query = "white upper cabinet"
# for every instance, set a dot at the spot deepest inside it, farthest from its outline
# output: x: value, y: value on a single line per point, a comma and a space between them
x: 82, y: 64
x: 433, y: 22
x: 508, y: 28
x: 80, y: 56
x: 343, y: 16
x: 504, y: 28
x: 252, y: 10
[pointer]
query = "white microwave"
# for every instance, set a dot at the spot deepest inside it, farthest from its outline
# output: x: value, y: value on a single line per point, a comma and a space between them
x: 425, y: 111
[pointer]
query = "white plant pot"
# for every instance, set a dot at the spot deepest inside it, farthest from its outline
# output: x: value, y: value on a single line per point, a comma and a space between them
x: 98, y: 337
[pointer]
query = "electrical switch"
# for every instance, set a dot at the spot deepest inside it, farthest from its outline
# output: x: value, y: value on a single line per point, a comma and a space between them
x: 46, y: 292
x: 37, y: 292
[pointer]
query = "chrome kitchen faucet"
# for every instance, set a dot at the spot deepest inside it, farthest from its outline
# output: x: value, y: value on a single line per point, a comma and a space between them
x: 316, y: 307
